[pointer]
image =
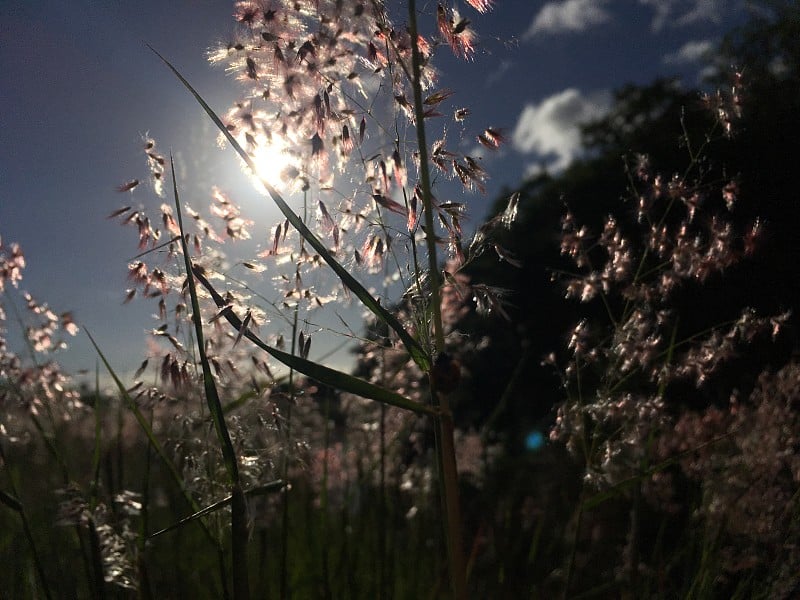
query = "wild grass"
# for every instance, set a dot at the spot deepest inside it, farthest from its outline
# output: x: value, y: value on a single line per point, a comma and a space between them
x: 239, y: 464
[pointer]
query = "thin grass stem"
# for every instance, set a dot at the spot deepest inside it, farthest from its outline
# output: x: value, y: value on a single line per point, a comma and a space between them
x: 13, y: 502
x: 444, y: 425
x: 240, y: 528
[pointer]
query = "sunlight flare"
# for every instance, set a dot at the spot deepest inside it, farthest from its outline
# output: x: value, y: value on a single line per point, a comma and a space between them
x: 273, y: 164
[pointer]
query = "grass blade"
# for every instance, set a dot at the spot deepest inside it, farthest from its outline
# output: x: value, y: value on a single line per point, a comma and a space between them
x: 323, y: 374
x: 10, y: 501
x: 148, y: 431
x: 14, y: 504
x: 263, y: 490
x: 414, y: 348
x: 212, y: 396
x: 240, y: 528
x: 98, y: 432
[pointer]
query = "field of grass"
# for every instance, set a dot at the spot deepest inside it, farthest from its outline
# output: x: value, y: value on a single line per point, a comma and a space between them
x: 658, y: 460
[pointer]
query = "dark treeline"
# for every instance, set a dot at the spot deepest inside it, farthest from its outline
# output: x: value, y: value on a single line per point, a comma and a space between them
x: 732, y: 145
x: 654, y: 120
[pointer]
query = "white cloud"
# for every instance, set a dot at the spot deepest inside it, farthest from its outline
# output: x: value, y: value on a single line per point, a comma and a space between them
x: 497, y: 74
x: 551, y: 128
x: 703, y: 10
x: 679, y: 13
x: 569, y: 15
x: 663, y: 10
x: 690, y: 52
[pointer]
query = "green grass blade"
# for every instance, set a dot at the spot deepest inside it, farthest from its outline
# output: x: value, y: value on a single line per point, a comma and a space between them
x: 14, y: 504
x: 240, y: 530
x: 131, y: 404
x: 414, y: 348
x: 10, y: 501
x: 212, y: 396
x: 273, y: 486
x: 335, y: 379
x: 98, y: 432
x: 148, y: 431
x: 239, y: 402
x: 144, y: 424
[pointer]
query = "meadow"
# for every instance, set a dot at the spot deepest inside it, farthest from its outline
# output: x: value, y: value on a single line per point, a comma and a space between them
x: 594, y: 394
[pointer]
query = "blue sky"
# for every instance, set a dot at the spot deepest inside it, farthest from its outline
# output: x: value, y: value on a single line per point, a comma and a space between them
x: 80, y: 88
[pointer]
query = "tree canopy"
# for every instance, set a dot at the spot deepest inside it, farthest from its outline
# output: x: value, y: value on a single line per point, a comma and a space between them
x: 758, y: 71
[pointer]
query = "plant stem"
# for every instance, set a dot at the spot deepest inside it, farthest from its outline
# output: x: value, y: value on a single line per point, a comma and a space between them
x: 26, y: 528
x: 425, y: 182
x: 325, y: 546
x: 145, y: 593
x: 382, y: 558
x: 574, y: 550
x: 286, y: 457
x: 98, y: 580
x: 444, y: 425
x: 239, y: 520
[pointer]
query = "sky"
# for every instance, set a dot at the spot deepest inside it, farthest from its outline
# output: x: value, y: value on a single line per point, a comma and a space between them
x: 80, y: 89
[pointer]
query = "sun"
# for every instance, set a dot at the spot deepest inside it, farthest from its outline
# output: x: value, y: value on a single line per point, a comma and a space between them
x: 272, y: 162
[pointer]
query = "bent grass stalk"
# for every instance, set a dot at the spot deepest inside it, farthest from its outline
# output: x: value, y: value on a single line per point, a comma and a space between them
x: 445, y: 448
x: 285, y: 467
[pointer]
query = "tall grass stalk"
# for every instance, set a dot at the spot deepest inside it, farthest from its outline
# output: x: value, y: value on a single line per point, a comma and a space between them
x: 445, y: 448
x: 287, y: 447
x: 240, y: 528
x: 48, y: 437
x: 156, y: 446
x: 11, y: 501
x: 324, y: 506
x: 92, y: 560
x: 144, y: 523
x: 445, y: 443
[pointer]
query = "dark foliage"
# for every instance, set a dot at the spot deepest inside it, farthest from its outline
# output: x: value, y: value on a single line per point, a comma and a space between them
x: 657, y: 120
